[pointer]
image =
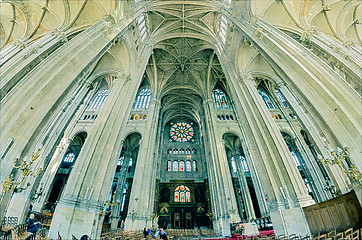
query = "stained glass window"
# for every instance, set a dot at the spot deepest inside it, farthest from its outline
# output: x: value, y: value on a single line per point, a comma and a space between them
x: 99, y: 99
x: 281, y: 98
x: 69, y: 158
x: 266, y: 99
x: 181, y: 132
x: 142, y: 27
x: 175, y: 166
x: 233, y: 165
x: 188, y: 166
x: 143, y: 99
x: 223, y: 27
x: 244, y: 164
x: 182, y: 166
x: 194, y: 165
x: 169, y: 166
x: 220, y: 101
x: 182, y: 194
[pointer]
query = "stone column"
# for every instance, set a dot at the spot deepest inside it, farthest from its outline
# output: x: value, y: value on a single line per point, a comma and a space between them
x: 245, y: 193
x: 119, y: 190
x: 283, y: 183
x: 142, y: 196
x: 20, y: 202
x: 338, y: 177
x: 90, y: 180
x: 222, y: 194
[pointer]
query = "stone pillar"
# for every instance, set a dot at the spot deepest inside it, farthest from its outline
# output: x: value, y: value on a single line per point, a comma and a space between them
x: 245, y: 193
x: 89, y: 183
x: 222, y: 194
x: 119, y: 190
x: 283, y: 183
x: 336, y: 174
x: 142, y: 196
x: 20, y: 202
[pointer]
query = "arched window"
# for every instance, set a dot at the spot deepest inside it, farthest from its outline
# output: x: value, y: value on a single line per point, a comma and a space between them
x: 223, y: 28
x: 182, y: 166
x: 233, y: 165
x: 130, y: 165
x: 123, y: 198
x: 193, y: 151
x: 142, y: 27
x: 169, y: 151
x: 244, y: 164
x: 295, y: 158
x: 188, y: 151
x: 169, y: 166
x: 175, y: 151
x: 143, y: 99
x: 220, y: 100
x: 69, y: 158
x: 266, y: 99
x: 99, y: 99
x: 188, y: 166
x: 182, y: 151
x: 281, y: 98
x: 120, y: 161
x: 182, y: 194
x: 194, y: 165
x: 175, y: 166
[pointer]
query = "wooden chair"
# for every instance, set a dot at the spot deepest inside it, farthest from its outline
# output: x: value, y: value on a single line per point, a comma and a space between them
x: 306, y: 237
x: 282, y: 236
x: 331, y: 234
x: 294, y: 236
x: 355, y: 235
x: 322, y: 237
x: 339, y: 236
x: 348, y: 233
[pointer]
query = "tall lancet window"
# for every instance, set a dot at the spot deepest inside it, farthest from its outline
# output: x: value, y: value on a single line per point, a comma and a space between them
x: 264, y: 95
x: 143, y: 27
x: 99, y: 99
x: 220, y: 100
x: 223, y: 28
x: 143, y: 99
x: 281, y: 98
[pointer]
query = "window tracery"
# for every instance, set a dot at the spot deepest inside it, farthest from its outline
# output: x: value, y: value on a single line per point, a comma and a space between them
x: 264, y: 95
x: 223, y: 28
x: 281, y: 98
x: 182, y: 194
x: 220, y: 99
x: 69, y: 158
x: 181, y: 132
x: 99, y: 99
x: 143, y: 99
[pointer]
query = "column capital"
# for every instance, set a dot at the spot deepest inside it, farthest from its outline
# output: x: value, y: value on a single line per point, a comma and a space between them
x: 309, y: 34
x: 247, y: 78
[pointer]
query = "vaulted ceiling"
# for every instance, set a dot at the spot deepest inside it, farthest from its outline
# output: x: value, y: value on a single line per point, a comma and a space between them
x: 30, y: 19
x: 183, y: 68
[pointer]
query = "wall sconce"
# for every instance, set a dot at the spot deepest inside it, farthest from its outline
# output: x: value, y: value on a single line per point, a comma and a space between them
x: 9, y: 185
x: 337, y: 158
x: 109, y: 204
